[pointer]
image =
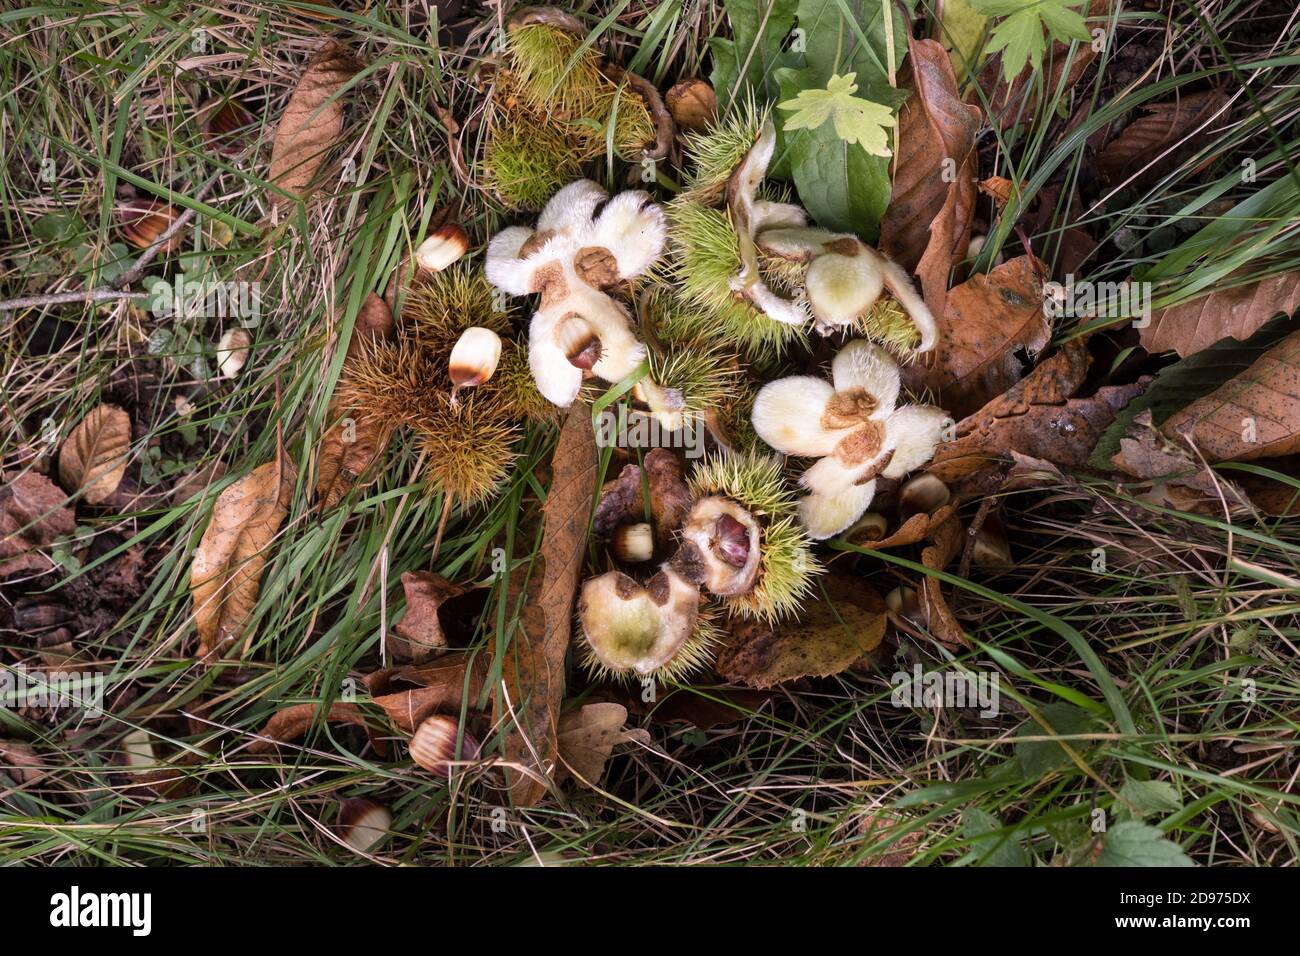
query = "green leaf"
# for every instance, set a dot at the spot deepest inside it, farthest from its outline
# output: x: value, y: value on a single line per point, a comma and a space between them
x: 1040, y: 757
x: 1139, y: 844
x: 1004, y: 850
x: 842, y: 187
x: 856, y: 121
x: 1026, y: 25
x: 58, y: 227
x: 1145, y: 798
x: 962, y: 32
x: 759, y: 29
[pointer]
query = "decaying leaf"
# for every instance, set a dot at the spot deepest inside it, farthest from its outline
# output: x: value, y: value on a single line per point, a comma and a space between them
x: 829, y: 635
x: 291, y: 723
x: 352, y: 445
x: 92, y: 460
x: 1254, y: 415
x: 225, y: 575
x: 945, y: 544
x: 312, y: 121
x: 1152, y: 144
x: 588, y: 735
x: 21, y: 762
x: 33, y: 515
x: 1236, y: 312
x: 989, y: 318
x: 927, y: 225
x: 533, y: 670
x: 1036, y: 417
x: 419, y: 632
x: 915, y: 529
x: 410, y: 694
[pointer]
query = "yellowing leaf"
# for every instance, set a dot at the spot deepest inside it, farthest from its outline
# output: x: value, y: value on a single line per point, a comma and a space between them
x: 856, y: 120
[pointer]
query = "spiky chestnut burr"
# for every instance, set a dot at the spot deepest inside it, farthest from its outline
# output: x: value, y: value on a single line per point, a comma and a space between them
x: 743, y: 537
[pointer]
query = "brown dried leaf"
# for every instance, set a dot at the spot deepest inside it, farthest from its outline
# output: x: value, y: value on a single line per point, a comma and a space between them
x: 828, y: 637
x: 352, y: 445
x: 1036, y: 417
x: 1169, y: 128
x: 420, y: 631
x: 22, y: 762
x: 588, y: 735
x: 946, y: 543
x: 439, y: 686
x: 312, y: 121
x: 1235, y: 312
x: 988, y: 319
x: 1254, y: 415
x: 33, y: 515
x: 533, y: 670
x: 915, y: 528
x: 927, y: 225
x: 293, y: 722
x: 93, y: 458
x: 225, y: 575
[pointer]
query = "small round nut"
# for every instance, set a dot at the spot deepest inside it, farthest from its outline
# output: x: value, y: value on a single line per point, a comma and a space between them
x: 633, y: 543
x: 232, y: 352
x: 363, y: 823
x: 434, y: 745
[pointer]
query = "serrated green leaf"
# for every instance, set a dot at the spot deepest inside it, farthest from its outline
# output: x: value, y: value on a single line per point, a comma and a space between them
x: 855, y: 120
x: 1040, y: 757
x: 1146, y: 798
x: 1025, y: 28
x: 1139, y: 844
x: 1005, y: 850
x: 842, y: 187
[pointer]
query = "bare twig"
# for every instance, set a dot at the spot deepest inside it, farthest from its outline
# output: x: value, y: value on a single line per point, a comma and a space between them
x: 115, y: 291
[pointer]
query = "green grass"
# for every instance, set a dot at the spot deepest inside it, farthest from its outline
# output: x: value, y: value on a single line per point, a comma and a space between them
x: 1153, y: 650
